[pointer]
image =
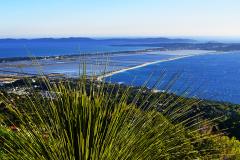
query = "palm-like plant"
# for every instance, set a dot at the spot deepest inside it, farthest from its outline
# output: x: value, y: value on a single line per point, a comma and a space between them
x: 91, y: 120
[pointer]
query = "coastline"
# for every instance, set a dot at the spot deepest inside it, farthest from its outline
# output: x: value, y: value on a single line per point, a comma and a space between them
x: 176, y: 54
x: 101, y: 77
x: 74, y: 55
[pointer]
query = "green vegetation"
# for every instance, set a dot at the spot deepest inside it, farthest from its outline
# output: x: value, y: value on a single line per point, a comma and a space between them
x: 91, y: 120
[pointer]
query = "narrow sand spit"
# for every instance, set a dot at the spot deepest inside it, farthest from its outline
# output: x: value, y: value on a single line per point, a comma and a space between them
x: 101, y: 77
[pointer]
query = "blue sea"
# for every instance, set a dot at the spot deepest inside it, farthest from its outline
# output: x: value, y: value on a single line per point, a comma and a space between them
x: 45, y: 48
x: 211, y: 76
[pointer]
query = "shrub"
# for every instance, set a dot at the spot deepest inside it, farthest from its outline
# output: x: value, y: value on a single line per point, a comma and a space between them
x: 88, y: 121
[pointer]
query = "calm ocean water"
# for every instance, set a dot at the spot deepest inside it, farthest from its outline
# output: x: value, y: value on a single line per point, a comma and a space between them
x: 96, y: 64
x: 29, y: 49
x: 214, y: 77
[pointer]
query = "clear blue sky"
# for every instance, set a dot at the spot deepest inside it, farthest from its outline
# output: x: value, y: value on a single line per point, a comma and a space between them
x: 56, y: 18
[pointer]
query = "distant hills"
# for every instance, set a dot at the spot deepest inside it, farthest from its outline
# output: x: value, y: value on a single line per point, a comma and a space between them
x: 75, y: 45
x: 41, y: 47
x: 119, y: 41
x: 214, y: 46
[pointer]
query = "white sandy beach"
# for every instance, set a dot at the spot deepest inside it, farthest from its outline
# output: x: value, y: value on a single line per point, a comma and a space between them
x: 139, y: 66
x: 181, y: 56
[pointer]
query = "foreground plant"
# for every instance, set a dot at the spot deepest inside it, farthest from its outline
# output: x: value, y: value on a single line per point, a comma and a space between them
x: 91, y: 120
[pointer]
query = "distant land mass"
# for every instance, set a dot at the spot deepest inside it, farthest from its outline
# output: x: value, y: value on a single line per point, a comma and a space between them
x: 103, y: 40
x: 48, y: 47
x: 216, y: 46
x: 76, y: 45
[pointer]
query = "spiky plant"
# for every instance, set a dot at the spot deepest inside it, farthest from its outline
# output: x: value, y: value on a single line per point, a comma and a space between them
x: 91, y: 121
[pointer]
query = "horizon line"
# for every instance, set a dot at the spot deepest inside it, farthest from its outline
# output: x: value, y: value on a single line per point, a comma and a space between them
x: 119, y: 36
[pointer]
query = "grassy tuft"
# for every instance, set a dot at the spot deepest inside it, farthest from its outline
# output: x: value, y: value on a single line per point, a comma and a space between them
x: 91, y: 120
